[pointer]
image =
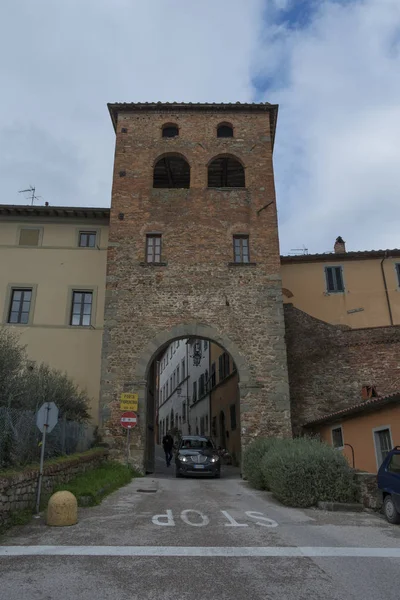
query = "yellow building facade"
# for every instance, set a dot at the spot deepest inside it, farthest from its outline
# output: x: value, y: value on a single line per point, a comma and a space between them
x: 52, y: 285
x: 357, y: 289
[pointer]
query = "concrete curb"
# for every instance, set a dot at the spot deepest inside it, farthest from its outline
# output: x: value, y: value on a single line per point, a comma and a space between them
x: 341, y: 506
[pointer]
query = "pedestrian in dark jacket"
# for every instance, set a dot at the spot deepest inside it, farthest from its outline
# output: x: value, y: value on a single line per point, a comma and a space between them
x: 168, y: 444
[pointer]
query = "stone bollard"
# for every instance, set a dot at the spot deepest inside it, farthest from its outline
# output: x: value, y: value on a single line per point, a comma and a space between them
x: 62, y: 510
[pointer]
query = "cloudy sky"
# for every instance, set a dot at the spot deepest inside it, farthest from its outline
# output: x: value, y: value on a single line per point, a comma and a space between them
x: 333, y: 66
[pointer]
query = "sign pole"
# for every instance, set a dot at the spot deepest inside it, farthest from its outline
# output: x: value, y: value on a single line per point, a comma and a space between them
x: 42, y: 459
x: 128, y: 436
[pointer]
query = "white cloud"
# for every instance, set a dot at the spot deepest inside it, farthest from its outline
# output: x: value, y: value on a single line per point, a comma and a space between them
x: 336, y: 80
x: 63, y: 61
x: 337, y: 151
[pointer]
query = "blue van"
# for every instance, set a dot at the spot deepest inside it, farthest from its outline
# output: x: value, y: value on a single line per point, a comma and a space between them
x: 389, y: 484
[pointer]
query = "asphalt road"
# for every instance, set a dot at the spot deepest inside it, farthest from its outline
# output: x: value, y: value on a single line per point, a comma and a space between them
x: 165, y: 538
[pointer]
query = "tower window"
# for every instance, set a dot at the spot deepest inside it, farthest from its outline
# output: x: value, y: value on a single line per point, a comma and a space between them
x: 171, y: 171
x: 241, y: 248
x: 170, y: 131
x: 225, y: 172
x: 153, y: 248
x: 224, y: 130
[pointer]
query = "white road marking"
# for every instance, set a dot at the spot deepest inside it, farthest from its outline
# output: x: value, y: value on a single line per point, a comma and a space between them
x: 263, y: 521
x: 203, y: 551
x: 232, y: 522
x: 185, y: 518
x: 168, y: 523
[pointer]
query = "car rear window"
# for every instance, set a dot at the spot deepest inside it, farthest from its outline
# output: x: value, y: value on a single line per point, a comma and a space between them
x: 394, y: 464
x: 196, y: 444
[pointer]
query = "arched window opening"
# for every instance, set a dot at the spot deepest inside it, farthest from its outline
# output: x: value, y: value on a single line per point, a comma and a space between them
x: 170, y: 131
x: 224, y: 130
x: 171, y: 172
x: 225, y: 172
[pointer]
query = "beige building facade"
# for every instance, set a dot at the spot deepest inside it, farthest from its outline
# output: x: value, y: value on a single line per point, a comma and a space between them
x: 52, y: 283
x: 357, y: 289
x: 224, y: 402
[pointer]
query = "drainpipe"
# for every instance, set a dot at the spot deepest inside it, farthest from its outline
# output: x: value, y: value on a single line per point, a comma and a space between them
x: 386, y: 289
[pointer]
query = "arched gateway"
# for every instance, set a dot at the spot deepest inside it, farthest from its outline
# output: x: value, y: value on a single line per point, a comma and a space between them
x: 193, y: 263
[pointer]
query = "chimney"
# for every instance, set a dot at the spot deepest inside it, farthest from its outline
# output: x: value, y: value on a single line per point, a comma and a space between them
x: 340, y: 245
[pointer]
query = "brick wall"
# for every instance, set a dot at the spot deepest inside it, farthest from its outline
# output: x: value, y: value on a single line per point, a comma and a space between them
x: 18, y: 492
x: 329, y: 364
x: 197, y: 284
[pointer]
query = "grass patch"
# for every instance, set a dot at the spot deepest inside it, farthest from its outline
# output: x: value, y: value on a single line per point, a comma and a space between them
x: 51, y: 461
x: 91, y: 487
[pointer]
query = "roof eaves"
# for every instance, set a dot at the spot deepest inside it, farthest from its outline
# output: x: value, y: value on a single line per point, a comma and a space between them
x: 338, y: 257
x: 367, y: 405
x: 16, y: 210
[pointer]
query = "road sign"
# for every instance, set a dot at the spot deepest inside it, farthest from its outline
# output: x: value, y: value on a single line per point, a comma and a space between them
x: 129, y: 401
x: 47, y: 415
x: 46, y: 420
x: 128, y: 420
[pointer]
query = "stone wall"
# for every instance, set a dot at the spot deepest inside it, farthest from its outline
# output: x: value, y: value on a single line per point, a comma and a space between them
x: 18, y: 491
x: 370, y: 495
x: 196, y: 289
x: 329, y: 364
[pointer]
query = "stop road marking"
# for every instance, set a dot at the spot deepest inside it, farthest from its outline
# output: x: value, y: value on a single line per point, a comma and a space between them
x: 195, y: 518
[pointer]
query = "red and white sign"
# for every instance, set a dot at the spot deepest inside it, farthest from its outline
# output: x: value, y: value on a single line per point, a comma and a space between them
x: 129, y: 420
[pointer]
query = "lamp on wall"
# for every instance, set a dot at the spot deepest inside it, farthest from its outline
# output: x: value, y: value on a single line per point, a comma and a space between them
x: 197, y: 355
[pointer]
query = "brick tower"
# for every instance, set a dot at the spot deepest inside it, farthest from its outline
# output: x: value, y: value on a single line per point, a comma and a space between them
x: 193, y: 251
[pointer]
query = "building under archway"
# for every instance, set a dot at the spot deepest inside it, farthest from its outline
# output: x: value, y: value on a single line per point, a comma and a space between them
x: 191, y: 383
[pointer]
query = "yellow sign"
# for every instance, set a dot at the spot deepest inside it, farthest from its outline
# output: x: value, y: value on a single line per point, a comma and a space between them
x: 129, y: 401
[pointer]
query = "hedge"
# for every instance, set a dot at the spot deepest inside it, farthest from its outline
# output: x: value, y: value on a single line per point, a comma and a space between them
x: 252, y: 458
x: 300, y: 472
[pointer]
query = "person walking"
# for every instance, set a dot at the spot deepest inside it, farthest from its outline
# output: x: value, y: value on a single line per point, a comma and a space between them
x: 168, y: 444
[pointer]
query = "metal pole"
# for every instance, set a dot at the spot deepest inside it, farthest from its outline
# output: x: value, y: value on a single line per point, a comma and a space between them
x: 42, y: 460
x: 128, y: 445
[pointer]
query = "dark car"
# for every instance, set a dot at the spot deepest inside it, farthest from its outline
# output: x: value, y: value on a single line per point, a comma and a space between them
x: 197, y: 455
x: 389, y: 484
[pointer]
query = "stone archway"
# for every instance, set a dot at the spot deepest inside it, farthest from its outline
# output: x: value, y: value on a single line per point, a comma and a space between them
x: 183, y: 330
x: 144, y: 375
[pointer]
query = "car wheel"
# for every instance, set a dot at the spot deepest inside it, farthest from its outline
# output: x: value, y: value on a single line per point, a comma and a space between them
x: 390, y: 511
x: 217, y: 475
x: 178, y: 474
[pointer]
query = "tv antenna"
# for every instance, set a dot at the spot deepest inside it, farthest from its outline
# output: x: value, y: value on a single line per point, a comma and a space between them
x: 300, y: 251
x: 32, y: 195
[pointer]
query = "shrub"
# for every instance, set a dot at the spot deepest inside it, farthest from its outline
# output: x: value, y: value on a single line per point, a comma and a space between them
x: 252, y: 458
x: 304, y: 471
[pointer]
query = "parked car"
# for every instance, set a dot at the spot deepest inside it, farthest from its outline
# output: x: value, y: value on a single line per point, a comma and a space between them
x: 389, y: 484
x: 197, y: 455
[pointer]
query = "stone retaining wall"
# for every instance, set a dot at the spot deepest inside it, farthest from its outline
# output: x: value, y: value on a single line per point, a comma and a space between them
x: 329, y: 365
x: 18, y: 491
x: 370, y: 496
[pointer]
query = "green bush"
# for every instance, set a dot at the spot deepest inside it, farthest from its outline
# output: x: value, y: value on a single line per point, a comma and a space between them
x: 252, y: 458
x: 304, y: 471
